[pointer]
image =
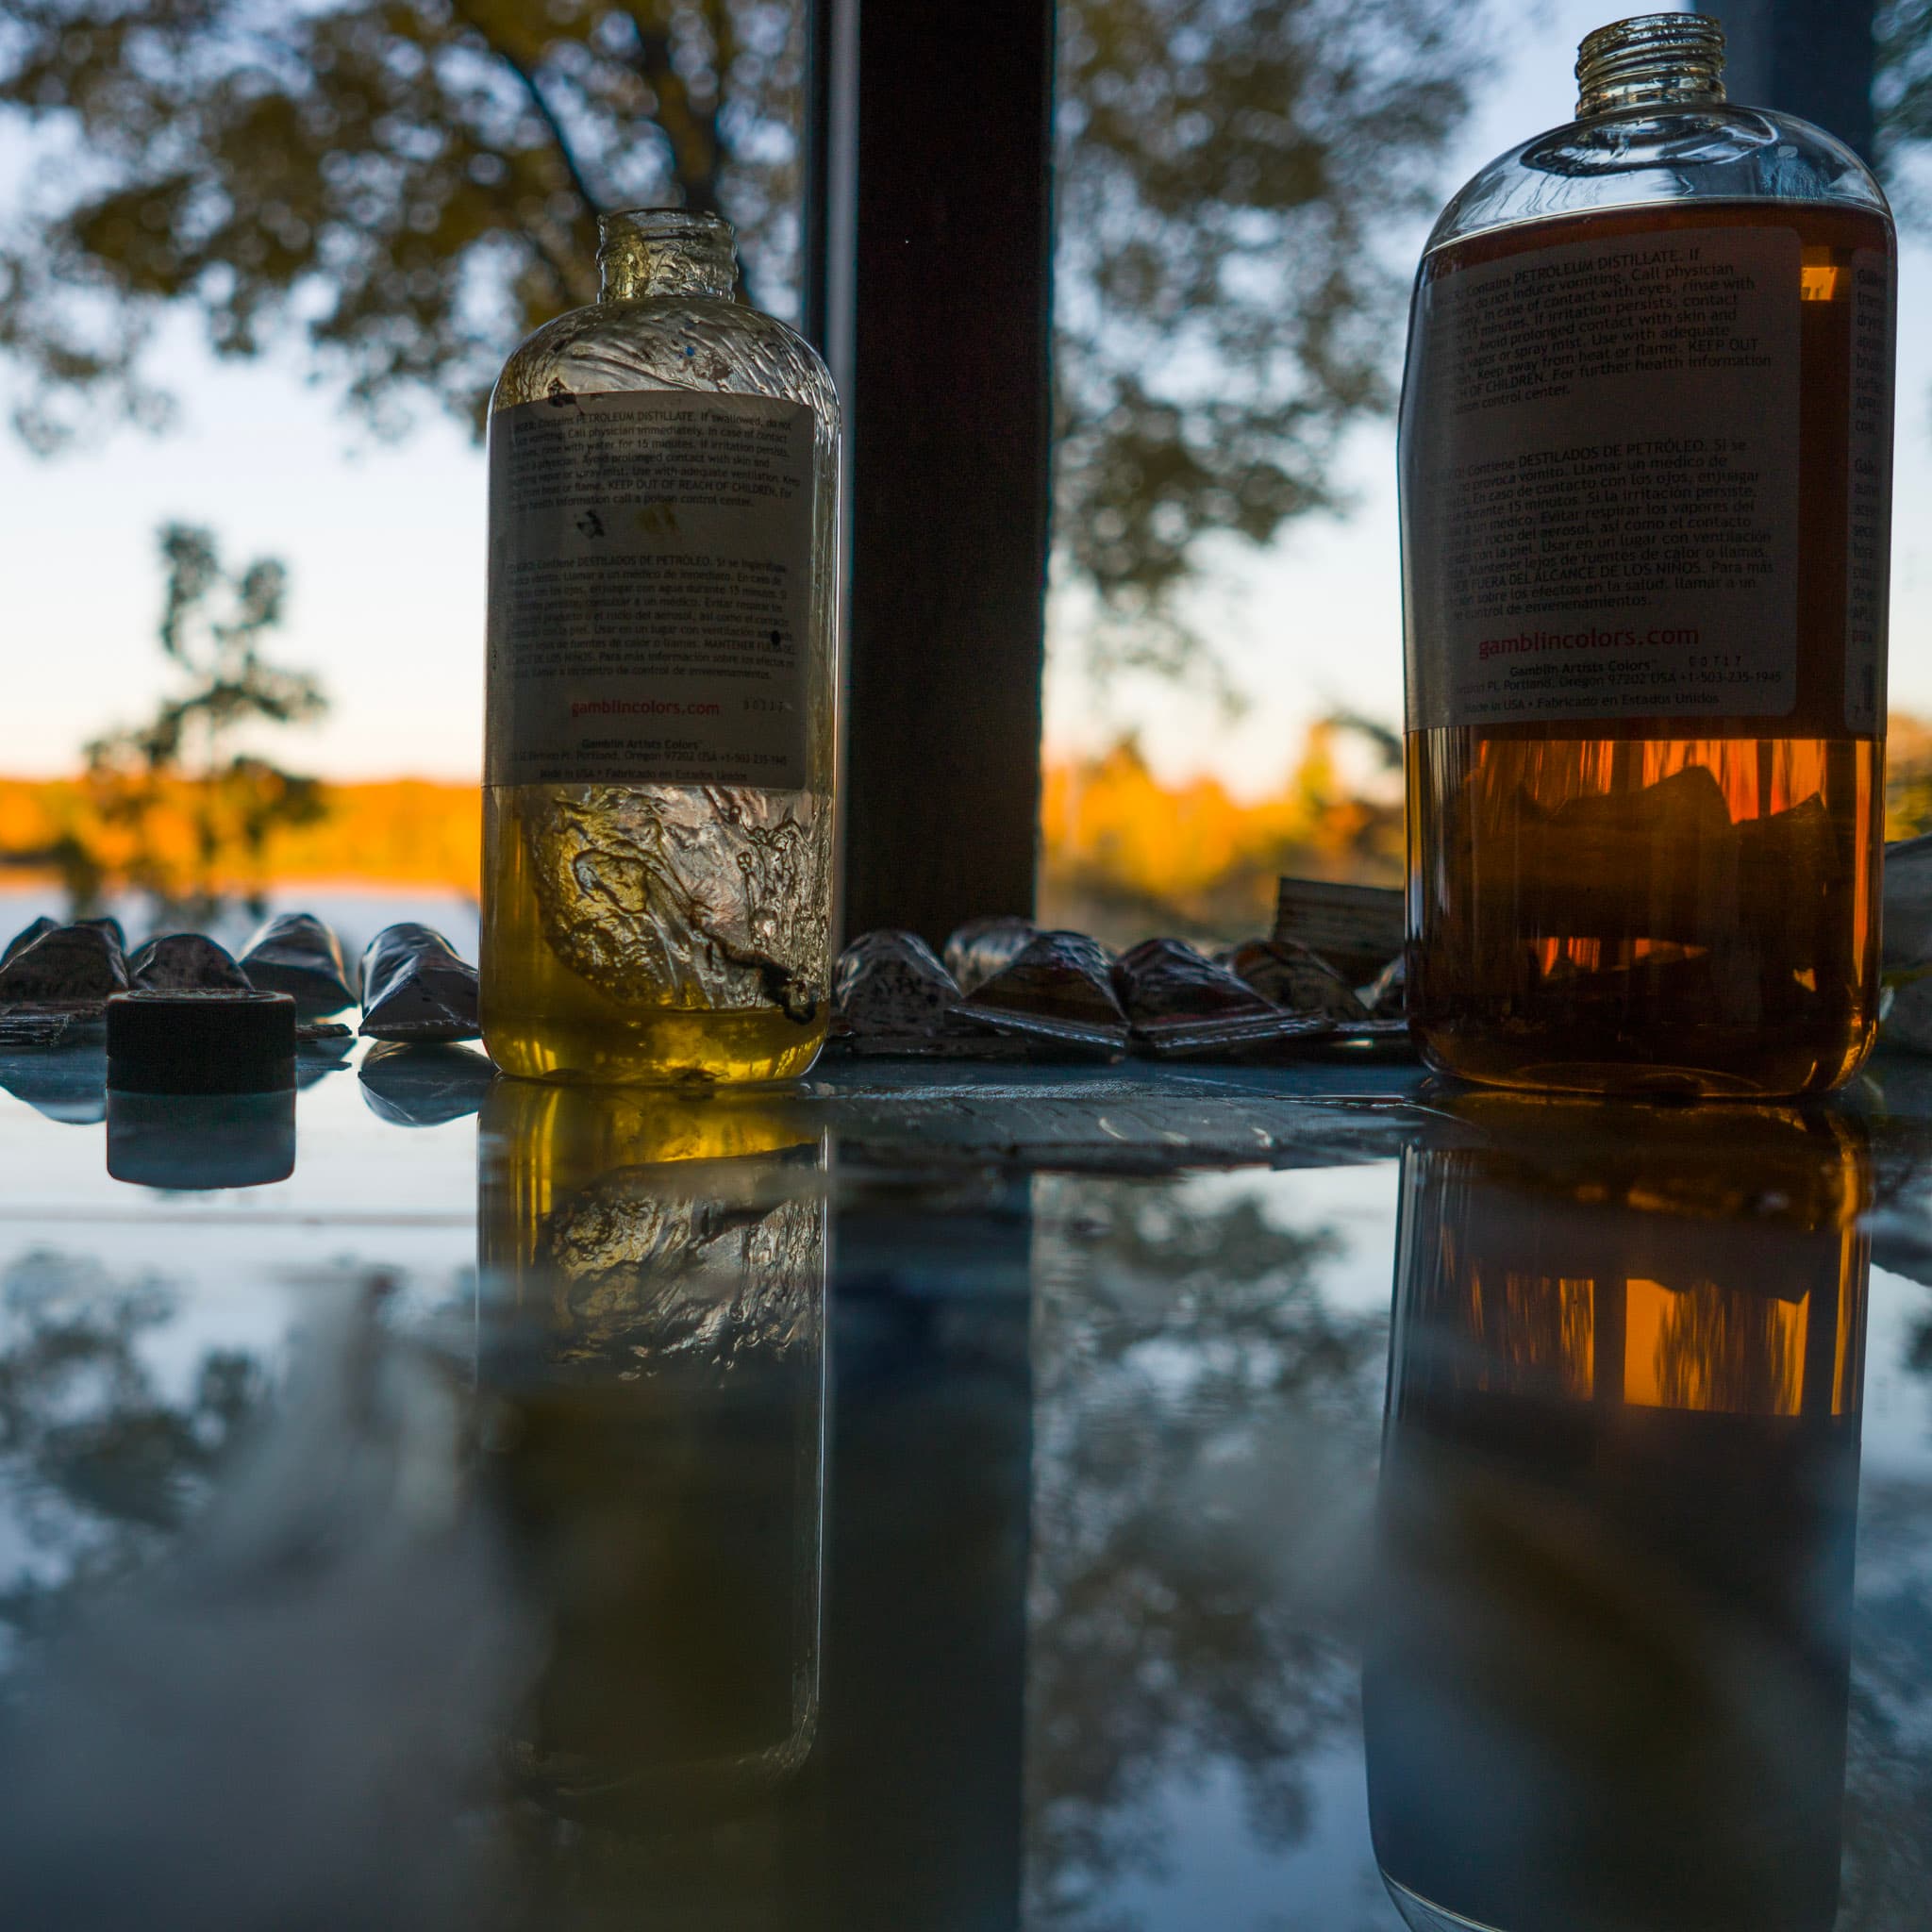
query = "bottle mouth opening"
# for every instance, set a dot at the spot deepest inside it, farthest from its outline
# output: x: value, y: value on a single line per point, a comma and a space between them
x: 1651, y: 60
x: 663, y: 225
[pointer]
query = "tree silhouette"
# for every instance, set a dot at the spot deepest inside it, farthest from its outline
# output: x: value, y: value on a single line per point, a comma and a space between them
x: 180, y: 804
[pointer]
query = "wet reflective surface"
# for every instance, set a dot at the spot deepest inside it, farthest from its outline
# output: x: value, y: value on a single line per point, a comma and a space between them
x: 958, y: 1501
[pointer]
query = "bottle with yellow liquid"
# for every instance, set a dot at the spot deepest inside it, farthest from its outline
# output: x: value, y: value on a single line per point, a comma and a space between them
x: 1606, y: 1681
x: 662, y: 679
x: 1645, y: 464
x: 651, y: 1374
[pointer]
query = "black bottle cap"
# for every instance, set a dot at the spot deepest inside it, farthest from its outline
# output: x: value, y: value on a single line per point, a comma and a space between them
x: 201, y: 1042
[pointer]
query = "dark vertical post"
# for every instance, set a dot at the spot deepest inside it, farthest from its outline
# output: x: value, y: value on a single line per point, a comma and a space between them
x: 828, y: 153
x: 1810, y: 57
x: 928, y: 282
x: 922, y: 1734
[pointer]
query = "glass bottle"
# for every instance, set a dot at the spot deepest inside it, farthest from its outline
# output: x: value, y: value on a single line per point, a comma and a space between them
x: 1606, y: 1681
x: 1645, y: 465
x: 662, y: 679
x: 652, y: 1381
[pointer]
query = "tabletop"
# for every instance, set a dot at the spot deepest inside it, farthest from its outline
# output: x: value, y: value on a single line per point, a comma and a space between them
x: 962, y: 1498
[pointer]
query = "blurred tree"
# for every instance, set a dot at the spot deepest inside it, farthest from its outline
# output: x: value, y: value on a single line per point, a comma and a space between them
x: 106, y: 1467
x: 1901, y: 96
x: 179, y: 806
x: 1233, y: 173
x: 1907, y: 777
x: 410, y: 185
x: 1126, y: 854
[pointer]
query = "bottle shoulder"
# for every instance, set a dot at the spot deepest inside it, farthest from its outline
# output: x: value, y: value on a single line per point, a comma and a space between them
x: 669, y: 342
x: 1651, y: 157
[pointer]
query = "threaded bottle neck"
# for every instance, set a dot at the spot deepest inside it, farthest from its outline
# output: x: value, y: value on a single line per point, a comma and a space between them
x: 1650, y: 61
x: 664, y: 251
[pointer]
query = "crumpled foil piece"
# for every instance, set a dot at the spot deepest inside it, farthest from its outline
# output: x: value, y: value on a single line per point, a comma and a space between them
x: 296, y: 954
x: 888, y: 985
x: 1387, y: 995
x: 1182, y: 1006
x: 186, y: 962
x: 982, y: 947
x: 106, y: 923
x: 1060, y: 991
x: 696, y: 896
x: 657, y: 1266
x: 415, y: 987
x: 33, y: 1032
x: 72, y: 966
x: 28, y: 935
x: 891, y: 998
x: 1289, y: 974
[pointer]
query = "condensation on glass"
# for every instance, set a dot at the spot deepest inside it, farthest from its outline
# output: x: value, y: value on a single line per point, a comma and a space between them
x: 1607, y: 1680
x: 1646, y: 449
x: 662, y: 679
x: 652, y: 1387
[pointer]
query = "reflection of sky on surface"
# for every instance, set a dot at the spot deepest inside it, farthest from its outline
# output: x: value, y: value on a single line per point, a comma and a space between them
x: 1207, y: 1358
x: 1898, y: 1402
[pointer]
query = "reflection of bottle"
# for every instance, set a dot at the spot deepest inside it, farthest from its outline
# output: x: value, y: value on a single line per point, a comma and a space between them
x: 653, y: 1363
x: 1607, y: 1687
x: 658, y: 822
x: 1646, y: 460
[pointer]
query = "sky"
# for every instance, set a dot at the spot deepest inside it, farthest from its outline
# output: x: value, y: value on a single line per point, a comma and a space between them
x: 384, y: 542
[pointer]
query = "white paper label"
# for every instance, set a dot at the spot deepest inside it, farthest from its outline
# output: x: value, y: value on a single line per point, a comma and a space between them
x: 650, y: 589
x: 1600, y: 481
x: 1868, y: 492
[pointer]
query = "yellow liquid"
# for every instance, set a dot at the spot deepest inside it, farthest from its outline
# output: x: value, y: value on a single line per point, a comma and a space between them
x: 543, y: 1020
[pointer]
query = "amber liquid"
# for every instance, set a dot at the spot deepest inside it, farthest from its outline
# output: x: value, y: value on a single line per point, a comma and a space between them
x: 1667, y: 906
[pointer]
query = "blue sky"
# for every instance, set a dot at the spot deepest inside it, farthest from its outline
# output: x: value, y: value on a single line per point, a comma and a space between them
x: 385, y: 546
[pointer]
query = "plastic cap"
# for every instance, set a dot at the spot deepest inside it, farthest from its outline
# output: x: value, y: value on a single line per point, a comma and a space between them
x: 202, y: 1041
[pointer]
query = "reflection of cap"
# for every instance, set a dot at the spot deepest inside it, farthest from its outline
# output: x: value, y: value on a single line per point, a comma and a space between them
x: 203, y: 1040
x: 201, y: 1141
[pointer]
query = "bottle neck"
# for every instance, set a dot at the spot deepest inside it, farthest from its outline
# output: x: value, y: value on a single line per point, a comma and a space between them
x: 660, y: 251
x: 1652, y: 60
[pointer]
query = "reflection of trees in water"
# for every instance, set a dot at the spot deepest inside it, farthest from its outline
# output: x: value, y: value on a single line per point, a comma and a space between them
x: 98, y: 1467
x: 1887, y: 1816
x: 1201, y: 1413
x: 1888, y: 1862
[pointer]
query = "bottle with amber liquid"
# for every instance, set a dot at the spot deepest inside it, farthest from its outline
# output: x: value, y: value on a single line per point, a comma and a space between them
x: 1645, y: 465
x: 662, y: 678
